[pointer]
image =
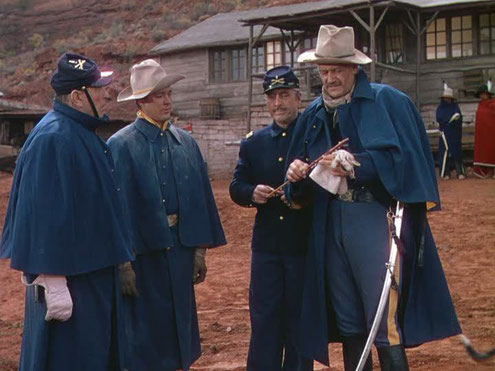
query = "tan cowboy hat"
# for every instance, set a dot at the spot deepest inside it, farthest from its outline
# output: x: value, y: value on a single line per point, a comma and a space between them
x: 334, y: 45
x: 147, y: 77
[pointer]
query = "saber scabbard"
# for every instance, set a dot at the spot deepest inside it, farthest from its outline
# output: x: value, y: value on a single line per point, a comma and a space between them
x: 389, y: 278
x: 313, y: 164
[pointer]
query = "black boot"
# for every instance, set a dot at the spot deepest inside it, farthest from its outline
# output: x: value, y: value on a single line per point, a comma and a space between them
x: 393, y: 358
x: 353, y: 347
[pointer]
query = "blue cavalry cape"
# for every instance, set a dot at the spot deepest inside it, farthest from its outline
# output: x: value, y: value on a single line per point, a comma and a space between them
x: 163, y: 173
x: 393, y: 135
x: 65, y: 217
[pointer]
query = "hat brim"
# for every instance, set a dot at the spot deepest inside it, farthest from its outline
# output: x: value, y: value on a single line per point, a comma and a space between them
x: 102, y: 81
x: 447, y: 96
x: 167, y: 81
x: 311, y: 57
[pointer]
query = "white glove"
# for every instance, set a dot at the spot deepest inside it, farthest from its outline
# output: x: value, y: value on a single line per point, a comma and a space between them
x: 57, y: 296
x: 346, y: 160
x: 454, y: 117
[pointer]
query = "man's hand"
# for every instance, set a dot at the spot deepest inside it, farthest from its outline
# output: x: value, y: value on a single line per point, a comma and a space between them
x: 199, y: 273
x: 297, y: 171
x: 57, y: 297
x: 262, y: 193
x: 128, y: 279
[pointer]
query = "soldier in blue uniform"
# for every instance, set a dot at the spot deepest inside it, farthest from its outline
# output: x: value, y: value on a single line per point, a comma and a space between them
x: 66, y: 230
x: 174, y: 218
x: 279, y: 233
x: 350, y: 239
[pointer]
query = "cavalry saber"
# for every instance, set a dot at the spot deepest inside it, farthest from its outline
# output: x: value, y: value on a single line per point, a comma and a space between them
x: 394, y: 249
x: 445, y: 155
x: 473, y: 353
x: 313, y: 164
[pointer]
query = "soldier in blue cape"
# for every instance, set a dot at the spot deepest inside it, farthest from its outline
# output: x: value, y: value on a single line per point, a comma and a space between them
x: 449, y: 117
x: 66, y: 231
x: 350, y: 238
x: 174, y: 218
x: 279, y: 233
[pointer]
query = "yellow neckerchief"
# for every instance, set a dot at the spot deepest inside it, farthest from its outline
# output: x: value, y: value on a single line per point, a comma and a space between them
x: 142, y: 115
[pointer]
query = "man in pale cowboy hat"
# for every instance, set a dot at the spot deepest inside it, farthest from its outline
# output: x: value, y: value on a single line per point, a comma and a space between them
x: 349, y: 241
x: 484, y: 136
x: 449, y: 117
x: 66, y: 229
x: 174, y: 217
x: 279, y: 233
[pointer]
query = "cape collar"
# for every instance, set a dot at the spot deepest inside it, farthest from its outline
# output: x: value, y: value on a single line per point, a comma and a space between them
x: 85, y: 120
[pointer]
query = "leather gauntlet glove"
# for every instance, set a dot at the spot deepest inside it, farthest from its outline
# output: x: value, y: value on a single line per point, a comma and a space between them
x: 128, y: 279
x: 199, y: 273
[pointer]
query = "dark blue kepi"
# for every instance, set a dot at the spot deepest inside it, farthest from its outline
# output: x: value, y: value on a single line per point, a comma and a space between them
x: 280, y: 77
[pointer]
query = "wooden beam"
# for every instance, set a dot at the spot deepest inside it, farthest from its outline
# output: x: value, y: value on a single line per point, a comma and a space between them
x: 428, y: 23
x: 372, y: 30
x: 394, y: 68
x: 263, y: 29
x: 250, y: 78
x: 381, y: 18
x: 360, y: 20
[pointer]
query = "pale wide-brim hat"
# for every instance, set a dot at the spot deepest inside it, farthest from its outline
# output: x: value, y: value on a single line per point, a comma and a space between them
x: 147, y: 77
x: 447, y: 93
x: 334, y: 45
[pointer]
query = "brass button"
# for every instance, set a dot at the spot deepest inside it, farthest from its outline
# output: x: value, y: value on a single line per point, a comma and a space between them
x: 118, y: 189
x: 280, y: 159
x: 161, y: 134
x: 163, y: 150
x: 284, y: 134
x: 314, y: 126
x: 168, y: 248
x: 281, y: 217
x: 105, y: 151
x: 163, y: 200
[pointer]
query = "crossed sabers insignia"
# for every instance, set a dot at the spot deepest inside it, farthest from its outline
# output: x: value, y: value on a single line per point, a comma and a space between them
x: 79, y: 64
x: 278, y: 81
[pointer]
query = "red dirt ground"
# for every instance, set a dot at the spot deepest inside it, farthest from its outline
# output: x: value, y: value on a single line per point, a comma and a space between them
x: 465, y: 235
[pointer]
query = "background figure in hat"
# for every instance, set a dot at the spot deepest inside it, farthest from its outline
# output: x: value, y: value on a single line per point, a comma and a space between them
x: 174, y: 217
x: 484, y: 135
x: 66, y: 231
x: 350, y: 239
x: 279, y: 233
x: 449, y: 117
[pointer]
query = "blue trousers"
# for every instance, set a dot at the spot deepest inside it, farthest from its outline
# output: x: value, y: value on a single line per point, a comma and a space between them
x: 358, y: 246
x: 274, y: 302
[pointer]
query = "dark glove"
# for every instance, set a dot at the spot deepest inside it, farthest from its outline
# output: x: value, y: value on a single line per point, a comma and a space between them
x: 199, y: 273
x: 127, y: 279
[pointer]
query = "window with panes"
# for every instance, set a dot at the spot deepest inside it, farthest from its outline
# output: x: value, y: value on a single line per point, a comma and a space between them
x: 258, y: 60
x: 461, y: 36
x: 273, y: 54
x: 486, y: 33
x: 228, y: 65
x: 436, y: 39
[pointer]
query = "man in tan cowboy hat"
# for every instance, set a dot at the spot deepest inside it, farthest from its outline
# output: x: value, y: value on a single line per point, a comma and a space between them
x: 173, y: 219
x: 351, y: 191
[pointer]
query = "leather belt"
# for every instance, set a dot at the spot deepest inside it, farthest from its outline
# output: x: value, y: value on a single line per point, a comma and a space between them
x: 172, y: 219
x: 357, y: 195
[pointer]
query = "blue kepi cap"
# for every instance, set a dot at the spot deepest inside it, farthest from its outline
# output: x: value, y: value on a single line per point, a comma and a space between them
x: 75, y: 71
x: 280, y: 77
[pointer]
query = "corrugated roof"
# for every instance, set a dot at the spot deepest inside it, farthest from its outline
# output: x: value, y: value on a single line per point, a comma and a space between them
x: 221, y: 29
x: 300, y: 9
x: 227, y: 28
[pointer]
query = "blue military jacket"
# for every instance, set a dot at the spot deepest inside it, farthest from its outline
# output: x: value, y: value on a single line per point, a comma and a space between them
x: 139, y: 151
x: 277, y: 228
x: 65, y: 214
x: 395, y: 149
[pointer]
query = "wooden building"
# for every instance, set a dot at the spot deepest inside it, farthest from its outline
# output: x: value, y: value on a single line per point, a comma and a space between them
x: 415, y: 46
